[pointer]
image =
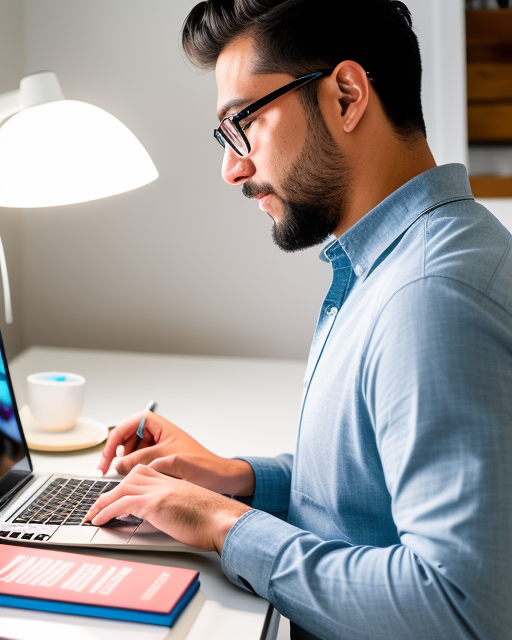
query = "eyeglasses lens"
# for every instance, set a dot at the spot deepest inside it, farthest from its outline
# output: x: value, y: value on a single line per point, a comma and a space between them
x: 219, y: 138
x: 232, y: 134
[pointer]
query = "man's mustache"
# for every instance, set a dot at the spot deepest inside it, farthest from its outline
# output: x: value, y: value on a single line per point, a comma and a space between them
x: 253, y: 190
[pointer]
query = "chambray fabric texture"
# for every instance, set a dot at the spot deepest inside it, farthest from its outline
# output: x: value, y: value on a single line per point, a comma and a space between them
x: 393, y: 520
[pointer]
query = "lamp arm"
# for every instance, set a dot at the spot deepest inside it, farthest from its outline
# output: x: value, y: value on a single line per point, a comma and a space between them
x: 10, y: 103
x: 5, y: 283
x: 36, y: 88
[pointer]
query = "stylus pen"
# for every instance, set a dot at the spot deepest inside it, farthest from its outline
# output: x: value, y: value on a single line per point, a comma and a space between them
x: 151, y: 406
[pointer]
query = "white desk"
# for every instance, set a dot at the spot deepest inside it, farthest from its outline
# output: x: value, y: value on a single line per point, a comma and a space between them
x: 233, y: 406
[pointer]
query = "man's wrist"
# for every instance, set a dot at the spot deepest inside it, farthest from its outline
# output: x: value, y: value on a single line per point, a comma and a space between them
x: 242, y: 481
x: 225, y: 520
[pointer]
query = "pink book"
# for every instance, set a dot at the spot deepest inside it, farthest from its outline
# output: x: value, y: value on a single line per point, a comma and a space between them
x: 61, y: 582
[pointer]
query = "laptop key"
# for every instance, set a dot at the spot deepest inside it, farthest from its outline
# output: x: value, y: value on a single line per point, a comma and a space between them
x: 64, y: 501
x: 21, y: 519
x: 27, y: 536
x: 4, y: 534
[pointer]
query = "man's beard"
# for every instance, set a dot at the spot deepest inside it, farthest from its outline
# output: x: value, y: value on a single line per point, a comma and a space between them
x: 316, y: 190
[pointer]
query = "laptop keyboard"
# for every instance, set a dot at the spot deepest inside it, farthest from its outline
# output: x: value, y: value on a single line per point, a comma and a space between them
x: 64, y: 501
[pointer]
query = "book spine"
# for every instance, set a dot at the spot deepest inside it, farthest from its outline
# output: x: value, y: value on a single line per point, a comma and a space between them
x: 128, y: 615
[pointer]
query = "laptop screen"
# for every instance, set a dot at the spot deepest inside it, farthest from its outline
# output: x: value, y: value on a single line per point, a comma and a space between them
x: 14, y: 457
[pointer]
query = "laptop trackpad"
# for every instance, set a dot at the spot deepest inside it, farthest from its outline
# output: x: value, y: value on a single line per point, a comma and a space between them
x: 149, y: 535
x: 73, y: 535
x: 109, y: 536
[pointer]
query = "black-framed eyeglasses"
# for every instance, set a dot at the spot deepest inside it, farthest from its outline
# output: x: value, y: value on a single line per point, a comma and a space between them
x: 231, y: 131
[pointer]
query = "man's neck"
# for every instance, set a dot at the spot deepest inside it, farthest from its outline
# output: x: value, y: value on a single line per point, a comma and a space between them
x: 383, y: 173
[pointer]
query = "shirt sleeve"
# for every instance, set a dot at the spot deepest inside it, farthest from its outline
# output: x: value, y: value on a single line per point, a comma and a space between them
x: 272, y: 483
x: 437, y: 379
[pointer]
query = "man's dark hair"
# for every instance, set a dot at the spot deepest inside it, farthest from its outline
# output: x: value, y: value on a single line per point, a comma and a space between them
x: 303, y: 36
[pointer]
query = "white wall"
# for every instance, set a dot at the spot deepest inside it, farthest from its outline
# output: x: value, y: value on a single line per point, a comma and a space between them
x: 441, y: 31
x: 11, y: 72
x: 185, y: 264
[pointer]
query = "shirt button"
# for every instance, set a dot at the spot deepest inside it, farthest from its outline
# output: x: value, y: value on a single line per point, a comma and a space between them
x: 332, y: 311
x: 358, y: 270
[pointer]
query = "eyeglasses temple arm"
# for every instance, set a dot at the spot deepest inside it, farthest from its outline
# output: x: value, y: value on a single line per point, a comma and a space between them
x: 276, y: 94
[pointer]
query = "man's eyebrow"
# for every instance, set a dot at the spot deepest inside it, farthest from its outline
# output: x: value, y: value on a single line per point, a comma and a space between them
x: 235, y: 103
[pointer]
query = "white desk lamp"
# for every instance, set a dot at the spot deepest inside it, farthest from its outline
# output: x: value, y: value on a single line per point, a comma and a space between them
x: 55, y: 151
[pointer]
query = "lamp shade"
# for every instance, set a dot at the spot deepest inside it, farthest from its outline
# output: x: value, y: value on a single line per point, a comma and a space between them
x: 64, y: 152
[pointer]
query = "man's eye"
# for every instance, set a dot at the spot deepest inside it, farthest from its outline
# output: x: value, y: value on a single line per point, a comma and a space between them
x: 246, y: 125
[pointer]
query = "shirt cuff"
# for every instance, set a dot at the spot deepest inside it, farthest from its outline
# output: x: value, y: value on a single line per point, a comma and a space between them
x: 272, y: 483
x: 252, y: 547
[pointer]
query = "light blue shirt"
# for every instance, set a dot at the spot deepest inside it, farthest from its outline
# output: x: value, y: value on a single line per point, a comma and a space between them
x: 393, y: 521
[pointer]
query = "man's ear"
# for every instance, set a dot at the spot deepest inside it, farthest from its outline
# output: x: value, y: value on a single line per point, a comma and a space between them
x: 353, y: 91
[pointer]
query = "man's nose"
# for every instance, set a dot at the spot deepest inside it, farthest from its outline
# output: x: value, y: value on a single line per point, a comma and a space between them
x: 236, y: 169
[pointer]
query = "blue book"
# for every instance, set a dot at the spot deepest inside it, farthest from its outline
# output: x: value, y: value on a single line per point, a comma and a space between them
x: 60, y: 582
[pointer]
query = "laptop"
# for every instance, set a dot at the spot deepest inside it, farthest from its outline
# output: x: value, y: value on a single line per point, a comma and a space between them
x: 49, y: 509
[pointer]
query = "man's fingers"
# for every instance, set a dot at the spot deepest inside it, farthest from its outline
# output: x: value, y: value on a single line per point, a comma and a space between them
x: 172, y: 465
x: 142, y: 456
x: 126, y: 505
x: 134, y: 484
x: 126, y: 434
x: 119, y: 435
x: 105, y: 499
x: 131, y: 444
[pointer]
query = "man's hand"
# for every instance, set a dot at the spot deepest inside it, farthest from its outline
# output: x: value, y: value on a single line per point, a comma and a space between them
x: 190, y: 514
x: 168, y: 449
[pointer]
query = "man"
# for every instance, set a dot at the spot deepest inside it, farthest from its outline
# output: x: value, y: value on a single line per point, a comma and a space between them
x: 394, y: 519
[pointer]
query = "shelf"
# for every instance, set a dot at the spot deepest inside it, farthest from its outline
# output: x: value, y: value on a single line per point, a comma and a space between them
x: 490, y: 122
x: 489, y: 85
x: 491, y: 186
x: 489, y: 35
x: 489, y: 81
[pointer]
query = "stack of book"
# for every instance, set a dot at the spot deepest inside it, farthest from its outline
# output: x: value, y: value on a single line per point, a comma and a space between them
x: 60, y: 582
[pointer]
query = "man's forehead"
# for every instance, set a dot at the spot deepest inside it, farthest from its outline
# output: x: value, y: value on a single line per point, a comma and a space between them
x: 236, y: 59
x: 237, y: 84
x: 233, y: 73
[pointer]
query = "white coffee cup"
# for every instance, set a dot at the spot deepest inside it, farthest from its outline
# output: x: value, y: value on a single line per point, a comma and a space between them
x: 55, y: 399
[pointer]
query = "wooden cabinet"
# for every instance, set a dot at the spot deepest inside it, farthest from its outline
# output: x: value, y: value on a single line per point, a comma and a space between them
x: 489, y: 84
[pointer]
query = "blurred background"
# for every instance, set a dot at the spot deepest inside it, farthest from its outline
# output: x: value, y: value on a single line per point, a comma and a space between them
x: 186, y: 264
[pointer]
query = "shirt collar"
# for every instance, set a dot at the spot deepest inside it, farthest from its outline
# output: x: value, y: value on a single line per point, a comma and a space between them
x: 365, y: 241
